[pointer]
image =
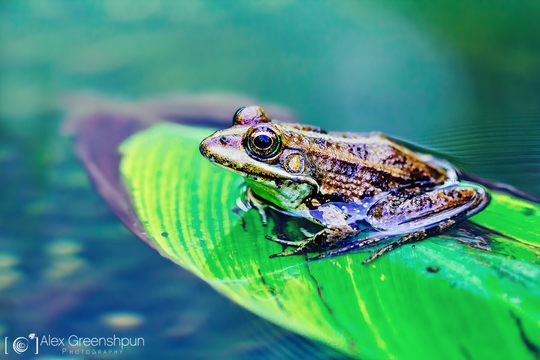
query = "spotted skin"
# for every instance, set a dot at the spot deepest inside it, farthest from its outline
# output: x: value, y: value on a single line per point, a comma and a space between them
x: 346, y: 182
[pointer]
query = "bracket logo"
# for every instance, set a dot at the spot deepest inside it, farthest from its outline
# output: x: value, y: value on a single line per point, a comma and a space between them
x: 22, y: 344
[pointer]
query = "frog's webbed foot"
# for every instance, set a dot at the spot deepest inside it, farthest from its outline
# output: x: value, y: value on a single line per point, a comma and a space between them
x: 405, y: 239
x: 394, y: 245
x: 356, y: 245
x: 474, y: 235
x: 412, y: 237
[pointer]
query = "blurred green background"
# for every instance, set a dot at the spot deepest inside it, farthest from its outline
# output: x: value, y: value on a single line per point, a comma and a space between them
x: 457, y: 76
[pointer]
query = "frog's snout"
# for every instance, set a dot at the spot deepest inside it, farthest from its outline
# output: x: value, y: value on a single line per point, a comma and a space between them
x: 217, y: 148
x: 204, y: 148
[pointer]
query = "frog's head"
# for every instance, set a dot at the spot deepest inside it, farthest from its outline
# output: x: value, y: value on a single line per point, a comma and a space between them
x: 257, y: 148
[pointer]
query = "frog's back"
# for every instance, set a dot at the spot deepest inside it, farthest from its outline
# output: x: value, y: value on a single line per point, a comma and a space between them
x: 356, y: 166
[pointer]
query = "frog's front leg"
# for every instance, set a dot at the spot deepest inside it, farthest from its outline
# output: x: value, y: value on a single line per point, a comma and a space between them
x: 318, y: 242
x: 259, y: 205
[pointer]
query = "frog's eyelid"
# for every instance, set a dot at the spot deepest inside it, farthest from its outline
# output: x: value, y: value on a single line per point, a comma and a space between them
x: 249, y: 115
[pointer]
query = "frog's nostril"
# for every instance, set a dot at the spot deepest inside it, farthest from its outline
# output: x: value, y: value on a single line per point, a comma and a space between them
x: 224, y: 140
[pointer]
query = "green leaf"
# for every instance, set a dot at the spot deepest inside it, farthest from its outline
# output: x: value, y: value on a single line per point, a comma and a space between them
x: 435, y: 298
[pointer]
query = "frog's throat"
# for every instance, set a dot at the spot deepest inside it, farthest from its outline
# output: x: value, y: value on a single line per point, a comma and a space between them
x: 287, y: 194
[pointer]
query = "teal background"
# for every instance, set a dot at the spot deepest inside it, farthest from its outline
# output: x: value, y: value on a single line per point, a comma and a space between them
x: 457, y: 76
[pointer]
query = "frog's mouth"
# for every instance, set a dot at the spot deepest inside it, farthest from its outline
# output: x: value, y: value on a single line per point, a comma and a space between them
x: 225, y: 148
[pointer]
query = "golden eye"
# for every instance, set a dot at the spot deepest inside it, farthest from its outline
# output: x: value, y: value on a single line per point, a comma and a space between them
x: 263, y: 143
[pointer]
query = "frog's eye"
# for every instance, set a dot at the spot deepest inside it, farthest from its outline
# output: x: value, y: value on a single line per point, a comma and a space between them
x: 263, y: 143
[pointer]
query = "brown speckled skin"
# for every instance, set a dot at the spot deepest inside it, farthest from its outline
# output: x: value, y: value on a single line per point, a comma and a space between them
x: 353, y: 171
x: 314, y: 173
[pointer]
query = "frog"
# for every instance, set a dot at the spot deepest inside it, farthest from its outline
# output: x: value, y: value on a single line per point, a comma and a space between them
x: 362, y: 189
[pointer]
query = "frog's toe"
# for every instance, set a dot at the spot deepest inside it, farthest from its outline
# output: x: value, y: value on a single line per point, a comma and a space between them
x: 331, y: 253
x: 285, y: 241
x: 347, y: 248
x: 298, y: 251
x: 306, y: 233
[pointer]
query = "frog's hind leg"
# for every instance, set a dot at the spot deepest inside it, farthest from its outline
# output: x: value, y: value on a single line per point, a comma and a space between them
x: 425, y: 215
x: 355, y: 245
x: 413, y: 218
x: 406, y: 213
x: 363, y: 243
